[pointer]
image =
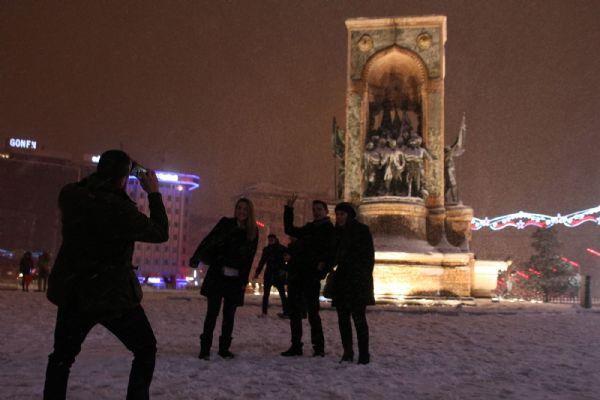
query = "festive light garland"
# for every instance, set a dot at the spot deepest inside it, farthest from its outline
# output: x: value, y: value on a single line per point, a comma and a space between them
x: 593, y: 252
x: 522, y: 220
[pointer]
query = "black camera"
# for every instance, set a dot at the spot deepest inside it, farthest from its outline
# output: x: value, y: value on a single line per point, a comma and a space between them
x: 138, y: 169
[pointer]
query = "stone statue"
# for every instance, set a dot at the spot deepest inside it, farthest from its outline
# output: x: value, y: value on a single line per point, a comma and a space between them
x: 456, y: 150
x: 386, y: 181
x: 339, y: 148
x: 372, y: 162
x: 394, y: 163
x: 415, y: 170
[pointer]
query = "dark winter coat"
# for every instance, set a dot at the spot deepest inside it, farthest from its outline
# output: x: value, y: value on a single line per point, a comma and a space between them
x: 100, y: 225
x: 315, y: 244
x: 226, y: 245
x: 26, y: 266
x: 272, y: 256
x: 355, y: 257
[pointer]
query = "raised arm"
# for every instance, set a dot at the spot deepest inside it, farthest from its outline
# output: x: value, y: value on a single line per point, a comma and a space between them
x: 132, y: 224
x: 135, y: 225
x: 288, y: 223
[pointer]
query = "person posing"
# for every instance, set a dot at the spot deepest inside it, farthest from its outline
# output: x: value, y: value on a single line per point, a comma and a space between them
x: 273, y: 256
x: 26, y: 269
x: 93, y: 280
x: 311, y: 260
x: 352, y: 281
x: 228, y: 250
x: 43, y: 270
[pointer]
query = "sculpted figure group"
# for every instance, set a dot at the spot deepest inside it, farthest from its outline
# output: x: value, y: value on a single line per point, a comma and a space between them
x: 396, y: 167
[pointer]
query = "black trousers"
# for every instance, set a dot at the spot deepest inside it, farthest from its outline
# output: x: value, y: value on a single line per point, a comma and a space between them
x: 267, y: 291
x: 358, y: 314
x: 212, y: 312
x: 304, y: 296
x: 131, y: 328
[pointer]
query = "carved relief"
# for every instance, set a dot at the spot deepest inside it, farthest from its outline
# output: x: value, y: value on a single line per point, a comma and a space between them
x: 426, y: 44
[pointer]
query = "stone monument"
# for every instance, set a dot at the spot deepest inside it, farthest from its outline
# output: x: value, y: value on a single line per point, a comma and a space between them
x: 393, y: 158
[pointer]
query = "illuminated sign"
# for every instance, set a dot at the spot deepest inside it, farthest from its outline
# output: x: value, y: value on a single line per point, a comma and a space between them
x: 26, y: 144
x: 167, y: 177
x: 191, y: 181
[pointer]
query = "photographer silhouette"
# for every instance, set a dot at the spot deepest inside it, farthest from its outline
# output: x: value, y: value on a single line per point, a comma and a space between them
x: 93, y: 281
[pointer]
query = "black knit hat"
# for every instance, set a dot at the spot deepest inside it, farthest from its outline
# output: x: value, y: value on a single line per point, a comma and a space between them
x: 347, y: 208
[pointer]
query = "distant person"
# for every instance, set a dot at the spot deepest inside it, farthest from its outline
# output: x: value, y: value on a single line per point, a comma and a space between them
x: 26, y: 270
x: 311, y: 259
x: 352, y: 282
x: 43, y: 270
x: 273, y: 256
x: 228, y: 250
x: 93, y: 281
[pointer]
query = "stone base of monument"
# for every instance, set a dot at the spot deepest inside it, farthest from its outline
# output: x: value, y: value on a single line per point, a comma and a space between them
x: 391, y: 216
x: 406, y: 263
x: 458, y: 225
x: 398, y: 274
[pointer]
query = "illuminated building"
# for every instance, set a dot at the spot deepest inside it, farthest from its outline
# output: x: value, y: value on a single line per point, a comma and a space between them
x: 31, y: 180
x: 170, y: 258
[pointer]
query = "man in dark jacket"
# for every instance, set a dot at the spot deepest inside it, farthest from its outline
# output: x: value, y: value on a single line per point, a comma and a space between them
x: 275, y: 273
x: 312, y: 258
x: 353, y: 280
x: 93, y: 281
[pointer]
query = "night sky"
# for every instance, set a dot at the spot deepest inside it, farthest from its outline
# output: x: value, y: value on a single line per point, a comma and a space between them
x: 241, y: 92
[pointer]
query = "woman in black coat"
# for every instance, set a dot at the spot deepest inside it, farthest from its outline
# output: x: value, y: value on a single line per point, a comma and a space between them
x: 228, y: 250
x: 352, y: 282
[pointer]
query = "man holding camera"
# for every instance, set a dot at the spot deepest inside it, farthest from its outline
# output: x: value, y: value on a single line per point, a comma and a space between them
x: 93, y: 281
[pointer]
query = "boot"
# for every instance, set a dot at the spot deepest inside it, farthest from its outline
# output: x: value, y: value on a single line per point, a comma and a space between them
x: 205, y: 344
x: 318, y: 352
x: 364, y: 358
x: 347, y: 357
x: 363, y: 350
x: 295, y: 350
x: 224, y: 343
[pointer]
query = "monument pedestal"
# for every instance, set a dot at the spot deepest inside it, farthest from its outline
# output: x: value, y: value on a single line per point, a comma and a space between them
x: 399, y: 274
x: 394, y: 145
x: 391, y: 216
x: 458, y: 225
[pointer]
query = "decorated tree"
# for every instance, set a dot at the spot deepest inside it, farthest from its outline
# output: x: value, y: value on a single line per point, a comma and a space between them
x: 547, y: 273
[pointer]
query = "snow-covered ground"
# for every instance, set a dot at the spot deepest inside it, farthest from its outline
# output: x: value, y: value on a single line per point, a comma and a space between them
x: 491, y: 351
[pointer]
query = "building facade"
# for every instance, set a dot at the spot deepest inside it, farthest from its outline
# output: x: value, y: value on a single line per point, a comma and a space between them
x: 170, y: 258
x: 32, y: 178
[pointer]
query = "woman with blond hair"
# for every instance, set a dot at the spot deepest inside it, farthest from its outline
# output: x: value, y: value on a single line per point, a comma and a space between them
x: 228, y: 250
